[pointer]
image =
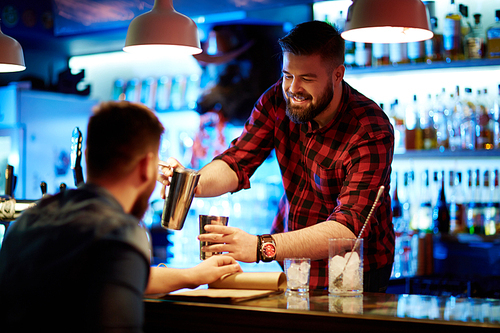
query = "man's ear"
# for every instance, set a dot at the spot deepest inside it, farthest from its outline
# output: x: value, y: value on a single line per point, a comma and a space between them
x: 147, y: 167
x: 338, y: 74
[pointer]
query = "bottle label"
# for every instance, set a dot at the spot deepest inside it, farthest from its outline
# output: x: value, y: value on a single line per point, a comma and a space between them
x: 474, y: 47
x: 494, y: 47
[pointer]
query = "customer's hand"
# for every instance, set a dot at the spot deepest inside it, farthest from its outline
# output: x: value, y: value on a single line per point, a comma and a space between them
x: 232, y: 241
x: 213, y: 269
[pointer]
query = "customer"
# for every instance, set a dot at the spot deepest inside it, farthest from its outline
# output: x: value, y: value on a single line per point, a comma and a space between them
x: 334, y: 147
x: 79, y: 261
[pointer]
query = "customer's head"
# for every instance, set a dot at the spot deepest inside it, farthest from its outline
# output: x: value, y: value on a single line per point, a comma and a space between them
x: 119, y: 134
x: 315, y: 37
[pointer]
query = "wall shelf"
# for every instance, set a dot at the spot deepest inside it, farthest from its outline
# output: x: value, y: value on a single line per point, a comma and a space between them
x: 424, y: 66
x: 436, y: 154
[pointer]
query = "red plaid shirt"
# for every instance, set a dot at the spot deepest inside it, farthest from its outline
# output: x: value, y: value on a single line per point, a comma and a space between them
x: 329, y: 173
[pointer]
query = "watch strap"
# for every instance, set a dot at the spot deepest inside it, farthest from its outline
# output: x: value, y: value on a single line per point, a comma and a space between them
x: 259, y: 244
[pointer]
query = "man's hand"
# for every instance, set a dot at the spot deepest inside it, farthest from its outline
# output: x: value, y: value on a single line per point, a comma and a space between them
x: 213, y: 269
x: 167, y: 171
x: 233, y: 241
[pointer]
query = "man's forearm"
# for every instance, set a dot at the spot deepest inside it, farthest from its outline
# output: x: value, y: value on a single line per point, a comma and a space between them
x: 310, y: 242
x: 216, y: 179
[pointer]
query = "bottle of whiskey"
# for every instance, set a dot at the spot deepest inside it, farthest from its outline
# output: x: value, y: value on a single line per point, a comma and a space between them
x: 457, y: 208
x: 441, y: 213
x: 434, y: 46
x: 475, y: 222
x: 475, y: 40
x: 452, y: 34
x: 493, y: 38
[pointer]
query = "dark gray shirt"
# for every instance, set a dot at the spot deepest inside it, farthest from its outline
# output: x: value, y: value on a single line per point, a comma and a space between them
x: 74, y: 262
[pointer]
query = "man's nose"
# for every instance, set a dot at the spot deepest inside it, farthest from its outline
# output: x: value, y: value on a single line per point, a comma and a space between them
x: 295, y: 86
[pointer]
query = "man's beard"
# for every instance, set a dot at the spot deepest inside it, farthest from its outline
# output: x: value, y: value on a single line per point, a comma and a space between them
x: 301, y: 115
x: 141, y: 204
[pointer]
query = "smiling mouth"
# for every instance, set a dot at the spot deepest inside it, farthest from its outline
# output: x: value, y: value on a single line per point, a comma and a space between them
x: 297, y: 98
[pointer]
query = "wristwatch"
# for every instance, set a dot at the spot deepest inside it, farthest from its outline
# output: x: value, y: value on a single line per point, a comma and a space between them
x: 267, y: 248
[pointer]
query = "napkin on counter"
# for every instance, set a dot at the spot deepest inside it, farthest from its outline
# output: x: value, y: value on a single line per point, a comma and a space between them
x: 235, y: 288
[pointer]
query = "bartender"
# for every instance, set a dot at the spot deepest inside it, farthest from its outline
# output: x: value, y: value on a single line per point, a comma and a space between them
x: 334, y: 147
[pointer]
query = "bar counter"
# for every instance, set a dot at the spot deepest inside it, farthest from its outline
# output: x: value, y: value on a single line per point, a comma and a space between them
x: 319, y: 312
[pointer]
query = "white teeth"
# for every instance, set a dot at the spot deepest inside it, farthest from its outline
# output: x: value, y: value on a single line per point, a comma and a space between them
x: 299, y: 98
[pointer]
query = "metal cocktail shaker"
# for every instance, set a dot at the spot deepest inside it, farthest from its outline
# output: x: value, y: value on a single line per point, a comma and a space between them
x: 179, y: 199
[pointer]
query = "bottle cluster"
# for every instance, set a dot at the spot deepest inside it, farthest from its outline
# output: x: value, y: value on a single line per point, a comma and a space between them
x: 462, y: 202
x: 447, y: 121
x: 465, y: 201
x: 457, y: 36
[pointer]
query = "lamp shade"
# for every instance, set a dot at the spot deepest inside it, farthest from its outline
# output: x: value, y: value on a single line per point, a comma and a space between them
x: 11, y: 54
x: 387, y: 21
x: 162, y: 30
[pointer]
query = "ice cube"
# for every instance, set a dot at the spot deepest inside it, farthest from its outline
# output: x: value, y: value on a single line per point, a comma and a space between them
x: 304, y: 266
x: 337, y: 264
x: 293, y: 284
x: 303, y: 277
x: 353, y: 258
x: 293, y: 271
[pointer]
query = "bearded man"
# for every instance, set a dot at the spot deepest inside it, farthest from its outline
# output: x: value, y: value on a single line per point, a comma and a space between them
x: 334, y: 147
x: 79, y: 261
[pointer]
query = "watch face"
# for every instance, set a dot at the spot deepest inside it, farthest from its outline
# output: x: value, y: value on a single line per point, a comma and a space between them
x: 269, y: 250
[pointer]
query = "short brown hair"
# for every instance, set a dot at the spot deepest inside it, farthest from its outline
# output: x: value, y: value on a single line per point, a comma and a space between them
x: 315, y: 37
x: 118, y: 134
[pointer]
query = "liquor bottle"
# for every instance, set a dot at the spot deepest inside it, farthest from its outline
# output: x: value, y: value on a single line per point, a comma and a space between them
x: 454, y: 121
x: 413, y: 135
x: 429, y: 140
x: 493, y: 38
x: 440, y: 119
x: 465, y: 26
x: 468, y: 125
x: 380, y: 54
x: 397, y: 209
x: 349, y: 58
x: 485, y: 196
x: 441, y: 213
x: 457, y: 205
x: 484, y: 135
x: 398, y: 53
x: 492, y: 209
x: 495, y: 120
x: 475, y: 222
x: 340, y: 22
x: 416, y: 52
x: 423, y: 216
x: 363, y: 54
x: 452, y: 34
x: 475, y: 40
x: 399, y: 127
x: 434, y: 46
x: 407, y: 197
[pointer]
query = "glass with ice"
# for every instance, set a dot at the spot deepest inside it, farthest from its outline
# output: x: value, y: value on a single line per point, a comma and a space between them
x: 345, y: 260
x: 297, y: 274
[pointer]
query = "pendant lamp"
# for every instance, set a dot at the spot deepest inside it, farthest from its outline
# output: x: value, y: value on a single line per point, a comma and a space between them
x: 162, y: 30
x: 11, y: 54
x: 387, y: 21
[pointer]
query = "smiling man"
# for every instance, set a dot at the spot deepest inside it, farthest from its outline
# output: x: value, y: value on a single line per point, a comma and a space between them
x: 334, y: 147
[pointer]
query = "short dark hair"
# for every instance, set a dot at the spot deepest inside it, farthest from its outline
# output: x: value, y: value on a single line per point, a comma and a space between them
x: 315, y: 37
x: 118, y: 134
